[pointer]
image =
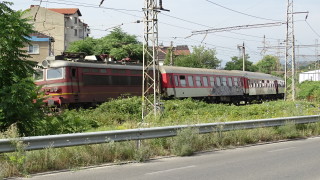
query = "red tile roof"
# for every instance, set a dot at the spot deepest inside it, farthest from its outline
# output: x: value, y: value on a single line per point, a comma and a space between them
x: 178, y: 50
x: 66, y: 10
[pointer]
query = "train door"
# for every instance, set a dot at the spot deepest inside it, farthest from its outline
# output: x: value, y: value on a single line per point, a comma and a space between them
x: 74, y: 77
x: 245, y: 85
x: 276, y: 86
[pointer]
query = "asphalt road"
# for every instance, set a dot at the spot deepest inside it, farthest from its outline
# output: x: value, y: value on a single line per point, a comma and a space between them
x: 290, y: 160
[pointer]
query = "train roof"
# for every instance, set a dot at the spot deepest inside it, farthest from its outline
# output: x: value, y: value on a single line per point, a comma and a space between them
x: 63, y: 63
x: 188, y: 70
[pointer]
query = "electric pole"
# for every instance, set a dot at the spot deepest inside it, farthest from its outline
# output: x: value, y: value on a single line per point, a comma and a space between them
x: 290, y: 64
x: 243, y: 55
x: 171, y: 53
x: 151, y: 77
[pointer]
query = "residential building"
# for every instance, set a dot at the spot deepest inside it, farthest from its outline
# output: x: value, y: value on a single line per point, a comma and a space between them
x: 62, y: 24
x: 179, y: 50
x: 40, y: 46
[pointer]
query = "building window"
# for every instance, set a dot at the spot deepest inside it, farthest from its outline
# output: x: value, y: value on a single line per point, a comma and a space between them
x: 33, y: 49
x: 75, y: 20
x: 80, y: 33
x: 76, y: 32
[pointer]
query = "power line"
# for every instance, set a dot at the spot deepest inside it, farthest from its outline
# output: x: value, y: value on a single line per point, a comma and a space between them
x: 312, y: 29
x: 241, y: 12
x: 248, y: 26
x: 73, y: 3
x: 186, y: 20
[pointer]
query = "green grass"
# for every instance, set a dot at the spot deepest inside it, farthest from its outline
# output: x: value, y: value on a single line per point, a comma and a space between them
x: 126, y: 114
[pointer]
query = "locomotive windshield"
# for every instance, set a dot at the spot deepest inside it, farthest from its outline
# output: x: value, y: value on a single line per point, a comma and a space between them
x: 55, y: 73
x: 38, y: 75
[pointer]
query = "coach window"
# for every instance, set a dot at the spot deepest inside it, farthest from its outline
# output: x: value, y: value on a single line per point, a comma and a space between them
x: 235, y: 80
x: 183, y: 81
x: 205, y: 81
x: 55, y: 73
x: 198, y: 81
x: 176, y: 81
x: 224, y: 81
x: 229, y: 81
x: 103, y: 71
x: 211, y: 80
x: 218, y: 81
x: 190, y: 81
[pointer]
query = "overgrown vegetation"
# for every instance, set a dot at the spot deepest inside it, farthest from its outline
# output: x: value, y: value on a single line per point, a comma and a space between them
x: 125, y: 113
x: 309, y: 90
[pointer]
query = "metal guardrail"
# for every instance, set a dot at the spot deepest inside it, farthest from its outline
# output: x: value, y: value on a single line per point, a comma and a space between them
x: 65, y: 140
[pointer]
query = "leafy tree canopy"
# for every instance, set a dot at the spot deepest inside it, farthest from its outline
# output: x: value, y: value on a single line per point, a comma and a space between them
x: 87, y: 46
x: 18, y: 93
x: 117, y: 44
x: 236, y: 63
x: 199, y: 58
x: 268, y: 64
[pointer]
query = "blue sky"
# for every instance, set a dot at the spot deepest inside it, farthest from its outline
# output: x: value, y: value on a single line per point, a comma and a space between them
x: 186, y: 16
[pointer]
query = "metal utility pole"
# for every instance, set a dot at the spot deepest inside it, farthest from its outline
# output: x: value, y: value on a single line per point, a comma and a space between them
x: 289, y: 67
x: 316, y: 54
x: 264, y: 50
x: 290, y: 64
x: 243, y: 55
x: 151, y: 78
x: 171, y: 53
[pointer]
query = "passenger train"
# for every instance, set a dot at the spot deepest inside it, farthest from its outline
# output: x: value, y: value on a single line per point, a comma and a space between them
x: 80, y: 83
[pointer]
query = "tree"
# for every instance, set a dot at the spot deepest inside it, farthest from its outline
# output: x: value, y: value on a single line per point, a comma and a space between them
x: 236, y: 63
x: 19, y: 103
x: 199, y: 58
x: 117, y: 44
x: 87, y: 46
x: 268, y: 64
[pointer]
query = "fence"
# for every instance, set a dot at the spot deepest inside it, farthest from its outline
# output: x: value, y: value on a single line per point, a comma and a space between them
x: 65, y: 140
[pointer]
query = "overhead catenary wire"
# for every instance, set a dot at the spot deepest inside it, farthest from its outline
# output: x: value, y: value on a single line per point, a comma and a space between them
x: 312, y: 29
x: 242, y: 12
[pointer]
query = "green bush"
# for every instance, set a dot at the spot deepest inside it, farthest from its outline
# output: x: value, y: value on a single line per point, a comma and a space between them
x: 186, y: 141
x: 309, y: 90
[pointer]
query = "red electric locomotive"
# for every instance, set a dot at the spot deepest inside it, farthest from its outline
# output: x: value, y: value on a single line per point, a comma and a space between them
x: 86, y: 83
